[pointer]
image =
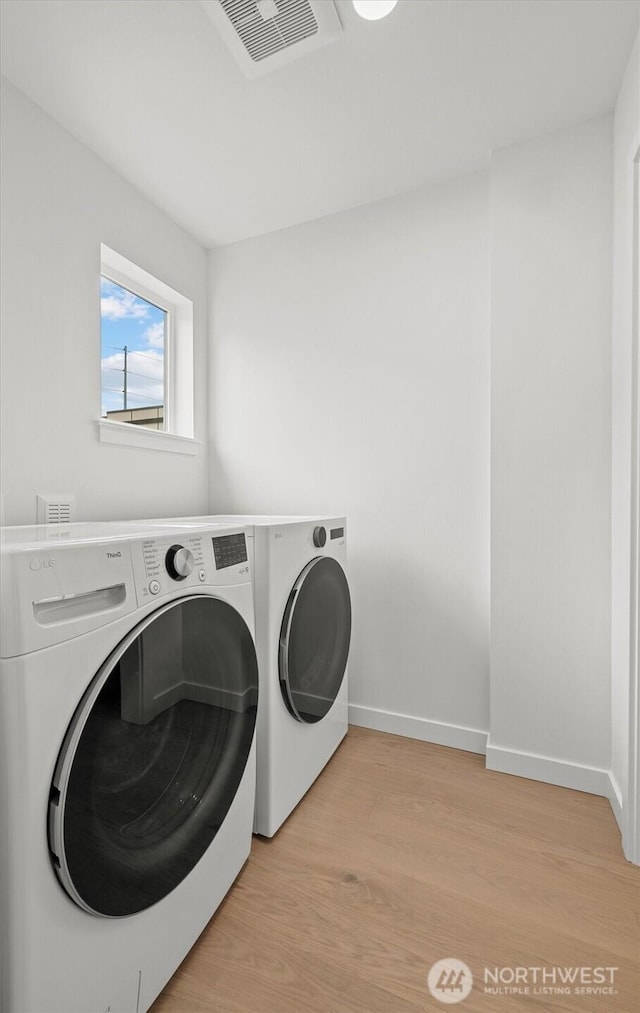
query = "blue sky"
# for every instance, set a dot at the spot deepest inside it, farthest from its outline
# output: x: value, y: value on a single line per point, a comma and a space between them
x: 127, y: 319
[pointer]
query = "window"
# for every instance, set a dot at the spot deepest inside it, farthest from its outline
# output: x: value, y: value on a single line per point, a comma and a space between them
x: 146, y: 361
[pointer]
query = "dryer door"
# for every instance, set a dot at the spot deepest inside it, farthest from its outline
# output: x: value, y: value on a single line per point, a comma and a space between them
x: 154, y: 756
x: 314, y: 639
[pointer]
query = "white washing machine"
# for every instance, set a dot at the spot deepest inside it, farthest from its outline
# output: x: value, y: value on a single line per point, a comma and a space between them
x: 128, y: 706
x: 303, y: 630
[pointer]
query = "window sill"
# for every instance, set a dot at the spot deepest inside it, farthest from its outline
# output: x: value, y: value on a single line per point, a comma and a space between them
x: 125, y: 435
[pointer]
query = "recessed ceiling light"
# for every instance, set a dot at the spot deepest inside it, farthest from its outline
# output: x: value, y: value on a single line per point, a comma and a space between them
x: 373, y: 10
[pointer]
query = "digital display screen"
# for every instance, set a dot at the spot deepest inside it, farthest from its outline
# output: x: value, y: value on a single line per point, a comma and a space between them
x: 229, y: 550
x: 337, y: 532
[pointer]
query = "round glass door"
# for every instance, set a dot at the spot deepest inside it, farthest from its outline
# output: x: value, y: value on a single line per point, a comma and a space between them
x: 314, y: 639
x: 154, y: 756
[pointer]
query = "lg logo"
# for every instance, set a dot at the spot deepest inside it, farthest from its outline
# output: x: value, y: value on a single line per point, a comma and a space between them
x: 41, y: 564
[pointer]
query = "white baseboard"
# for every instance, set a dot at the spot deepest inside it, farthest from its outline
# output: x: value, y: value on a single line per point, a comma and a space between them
x: 615, y: 798
x: 543, y: 768
x: 456, y: 736
x: 592, y: 780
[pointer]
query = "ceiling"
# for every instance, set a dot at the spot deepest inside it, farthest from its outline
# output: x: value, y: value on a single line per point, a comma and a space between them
x: 391, y: 106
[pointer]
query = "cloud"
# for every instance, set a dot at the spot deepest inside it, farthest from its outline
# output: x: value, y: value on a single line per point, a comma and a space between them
x: 117, y: 303
x: 154, y: 335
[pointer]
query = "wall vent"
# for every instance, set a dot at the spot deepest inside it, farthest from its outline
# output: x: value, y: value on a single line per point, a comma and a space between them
x: 55, y: 508
x: 266, y: 34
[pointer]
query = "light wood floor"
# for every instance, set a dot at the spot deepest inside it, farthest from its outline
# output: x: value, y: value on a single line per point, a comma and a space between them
x: 404, y: 853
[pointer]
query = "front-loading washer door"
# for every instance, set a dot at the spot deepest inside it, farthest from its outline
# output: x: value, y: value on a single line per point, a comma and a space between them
x: 314, y: 639
x: 154, y: 756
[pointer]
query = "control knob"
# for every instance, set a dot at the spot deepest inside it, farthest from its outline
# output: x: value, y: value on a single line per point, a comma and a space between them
x: 319, y: 537
x: 179, y: 562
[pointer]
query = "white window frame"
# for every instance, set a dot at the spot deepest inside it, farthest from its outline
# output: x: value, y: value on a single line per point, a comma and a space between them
x: 178, y: 433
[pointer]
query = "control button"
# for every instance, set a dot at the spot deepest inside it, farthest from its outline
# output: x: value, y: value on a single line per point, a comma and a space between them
x: 319, y: 537
x: 179, y: 562
x: 154, y: 586
x: 202, y: 574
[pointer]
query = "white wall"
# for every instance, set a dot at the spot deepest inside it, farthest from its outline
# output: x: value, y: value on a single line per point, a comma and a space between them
x: 350, y: 374
x: 626, y: 143
x: 59, y: 202
x: 551, y: 457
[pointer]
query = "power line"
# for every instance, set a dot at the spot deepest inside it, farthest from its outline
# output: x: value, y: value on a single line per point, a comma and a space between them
x: 130, y: 372
x: 118, y: 348
x: 131, y: 393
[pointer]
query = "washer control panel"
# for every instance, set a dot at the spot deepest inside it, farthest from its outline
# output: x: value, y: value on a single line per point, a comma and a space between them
x: 161, y: 564
x: 229, y: 550
x: 188, y: 559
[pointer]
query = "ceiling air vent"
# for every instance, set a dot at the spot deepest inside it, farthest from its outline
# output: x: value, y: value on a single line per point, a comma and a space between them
x: 266, y: 34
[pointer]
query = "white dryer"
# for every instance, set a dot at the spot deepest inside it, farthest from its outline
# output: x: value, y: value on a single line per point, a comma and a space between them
x: 128, y: 705
x: 303, y: 631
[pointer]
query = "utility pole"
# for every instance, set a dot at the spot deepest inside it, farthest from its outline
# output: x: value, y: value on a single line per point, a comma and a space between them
x: 125, y: 378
